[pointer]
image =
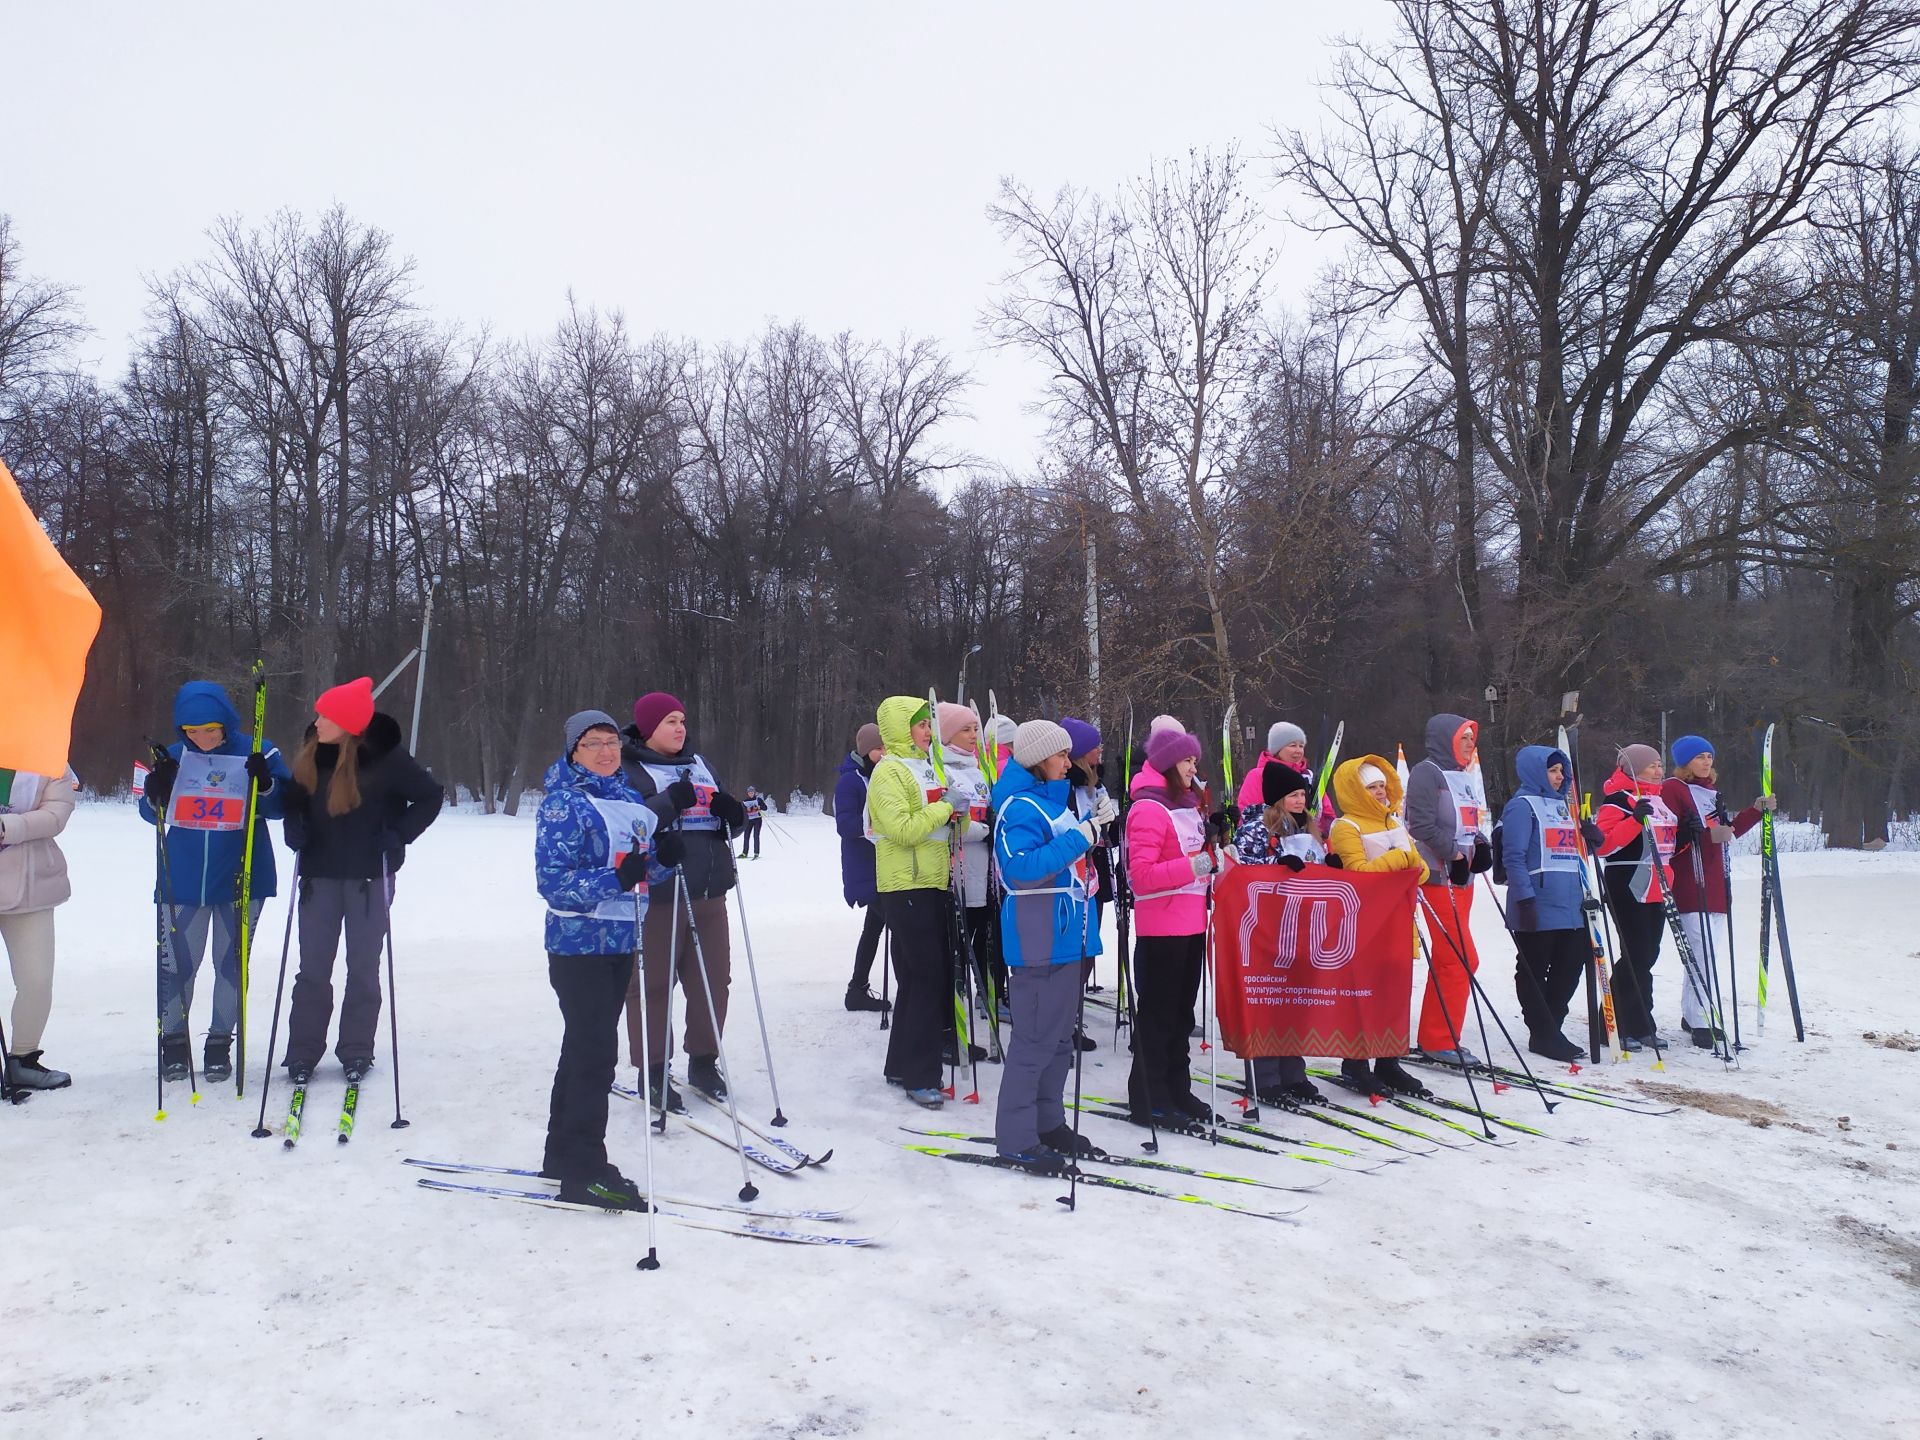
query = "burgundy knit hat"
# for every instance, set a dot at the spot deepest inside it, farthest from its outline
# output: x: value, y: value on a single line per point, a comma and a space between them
x: 650, y: 709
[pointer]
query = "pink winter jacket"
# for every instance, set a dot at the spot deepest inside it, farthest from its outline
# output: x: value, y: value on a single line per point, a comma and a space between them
x: 1251, y: 796
x: 1156, y: 861
x: 33, y: 872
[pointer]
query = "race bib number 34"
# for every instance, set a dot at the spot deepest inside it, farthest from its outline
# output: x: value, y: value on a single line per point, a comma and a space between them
x: 210, y: 793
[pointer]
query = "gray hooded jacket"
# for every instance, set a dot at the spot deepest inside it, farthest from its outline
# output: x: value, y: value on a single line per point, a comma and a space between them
x: 1429, y: 805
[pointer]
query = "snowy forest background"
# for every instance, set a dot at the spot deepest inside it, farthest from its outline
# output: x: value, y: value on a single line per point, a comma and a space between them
x: 1614, y: 391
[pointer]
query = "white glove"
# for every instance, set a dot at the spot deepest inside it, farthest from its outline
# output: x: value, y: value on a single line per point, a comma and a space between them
x: 1202, y: 864
x: 1091, y: 831
x: 1105, y: 813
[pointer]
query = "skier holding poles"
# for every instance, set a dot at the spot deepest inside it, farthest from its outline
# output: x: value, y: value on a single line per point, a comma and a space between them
x: 593, y: 838
x: 1700, y: 881
x: 202, y: 793
x: 1040, y: 849
x: 677, y: 782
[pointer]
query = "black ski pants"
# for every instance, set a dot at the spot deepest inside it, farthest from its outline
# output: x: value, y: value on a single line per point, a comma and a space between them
x: 592, y: 991
x: 918, y: 929
x: 750, y: 835
x: 1546, y: 974
x: 1638, y: 926
x: 1166, y: 977
x: 327, y: 908
x: 871, y: 928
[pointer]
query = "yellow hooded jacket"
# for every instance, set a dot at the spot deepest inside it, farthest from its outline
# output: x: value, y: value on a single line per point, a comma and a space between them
x: 903, y: 819
x: 1362, y: 815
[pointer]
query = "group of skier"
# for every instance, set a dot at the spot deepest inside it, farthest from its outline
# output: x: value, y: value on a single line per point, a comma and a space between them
x: 926, y: 842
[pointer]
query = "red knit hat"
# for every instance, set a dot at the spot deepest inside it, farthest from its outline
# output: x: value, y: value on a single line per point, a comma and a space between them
x: 350, y: 706
x: 650, y: 709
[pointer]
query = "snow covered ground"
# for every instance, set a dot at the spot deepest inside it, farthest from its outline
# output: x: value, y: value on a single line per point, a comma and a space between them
x: 1748, y: 1266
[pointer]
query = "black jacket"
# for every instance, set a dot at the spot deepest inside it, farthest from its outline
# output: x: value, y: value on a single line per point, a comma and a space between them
x: 399, y: 799
x: 707, y: 861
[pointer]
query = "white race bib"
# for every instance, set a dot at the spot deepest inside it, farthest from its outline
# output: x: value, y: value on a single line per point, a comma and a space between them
x: 210, y: 793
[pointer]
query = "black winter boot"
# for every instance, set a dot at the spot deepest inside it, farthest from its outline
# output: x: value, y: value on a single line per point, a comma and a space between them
x: 657, y: 1082
x: 703, y: 1074
x: 176, y: 1058
x: 219, y: 1062
x: 859, y: 997
x: 1392, y: 1080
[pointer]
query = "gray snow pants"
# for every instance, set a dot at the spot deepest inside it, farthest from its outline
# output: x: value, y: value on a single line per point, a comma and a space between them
x: 326, y: 908
x: 1045, y: 1000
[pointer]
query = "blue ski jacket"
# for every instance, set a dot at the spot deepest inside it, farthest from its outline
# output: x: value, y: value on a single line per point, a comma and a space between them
x: 1557, y: 892
x: 857, y: 876
x: 1043, y: 915
x: 573, y: 863
x: 204, y: 865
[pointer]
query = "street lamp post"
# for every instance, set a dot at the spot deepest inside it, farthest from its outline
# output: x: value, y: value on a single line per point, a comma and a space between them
x: 960, y: 690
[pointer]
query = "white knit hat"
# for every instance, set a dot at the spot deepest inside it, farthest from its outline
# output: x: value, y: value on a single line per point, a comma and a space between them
x: 1001, y: 729
x: 1035, y: 740
x: 1372, y: 775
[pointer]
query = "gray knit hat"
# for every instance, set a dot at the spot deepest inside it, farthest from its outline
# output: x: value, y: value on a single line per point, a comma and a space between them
x: 1035, y: 740
x: 1001, y: 729
x: 1283, y: 733
x: 584, y: 720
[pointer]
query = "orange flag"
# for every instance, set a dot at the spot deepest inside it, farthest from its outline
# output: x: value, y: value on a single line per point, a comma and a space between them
x: 47, y: 625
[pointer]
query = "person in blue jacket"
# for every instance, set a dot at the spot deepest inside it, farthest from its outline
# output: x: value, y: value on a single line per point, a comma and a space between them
x: 1540, y: 848
x: 857, y: 881
x: 592, y: 840
x: 200, y: 886
x: 1040, y: 850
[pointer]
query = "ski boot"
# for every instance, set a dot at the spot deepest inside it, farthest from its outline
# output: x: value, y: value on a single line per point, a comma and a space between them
x: 219, y: 1061
x: 28, y: 1073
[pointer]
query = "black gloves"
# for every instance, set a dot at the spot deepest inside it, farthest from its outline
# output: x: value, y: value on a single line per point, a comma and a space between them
x: 1232, y: 812
x: 1482, y: 857
x: 159, y: 788
x: 728, y: 811
x: 668, y: 848
x: 682, y: 795
x: 1688, y: 830
x: 1526, y: 914
x: 1643, y: 810
x: 257, y: 768
x: 632, y: 870
x: 1219, y: 828
x: 1591, y: 833
x: 1292, y: 862
x: 1334, y: 862
x: 1460, y: 872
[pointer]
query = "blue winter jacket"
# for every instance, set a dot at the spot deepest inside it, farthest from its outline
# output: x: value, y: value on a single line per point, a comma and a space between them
x: 204, y: 865
x: 1049, y: 928
x: 857, y: 880
x: 1557, y: 892
x: 573, y: 863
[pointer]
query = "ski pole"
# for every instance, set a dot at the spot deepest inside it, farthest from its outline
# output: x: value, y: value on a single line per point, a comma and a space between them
x: 246, y: 879
x: 886, y: 964
x: 748, y: 1191
x: 759, y: 1011
x: 393, y: 998
x: 1072, y: 1198
x: 167, y: 921
x: 260, y: 1131
x: 1446, y: 1014
x: 651, y: 1261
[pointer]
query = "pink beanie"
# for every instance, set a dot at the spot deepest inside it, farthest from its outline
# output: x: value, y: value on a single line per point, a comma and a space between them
x: 954, y: 719
x: 1165, y: 722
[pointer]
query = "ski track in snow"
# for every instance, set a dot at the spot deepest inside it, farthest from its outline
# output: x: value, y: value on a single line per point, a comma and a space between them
x: 1696, y: 1275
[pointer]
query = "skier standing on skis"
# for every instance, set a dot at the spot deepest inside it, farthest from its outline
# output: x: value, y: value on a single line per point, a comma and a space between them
x: 686, y: 794
x: 753, y: 806
x: 1701, y: 838
x: 856, y: 862
x: 1638, y: 879
x: 1170, y: 858
x: 33, y: 880
x: 1540, y: 853
x: 355, y: 800
x: 1446, y: 815
x: 911, y: 820
x: 1369, y: 836
x: 1040, y: 847
x: 594, y: 837
x: 968, y: 788
x: 202, y: 904
x: 1281, y: 832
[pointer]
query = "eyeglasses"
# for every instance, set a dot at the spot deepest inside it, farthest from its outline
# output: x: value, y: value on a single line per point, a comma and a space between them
x: 598, y: 745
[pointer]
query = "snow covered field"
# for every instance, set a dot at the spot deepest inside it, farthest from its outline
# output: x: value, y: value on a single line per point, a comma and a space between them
x: 1748, y: 1266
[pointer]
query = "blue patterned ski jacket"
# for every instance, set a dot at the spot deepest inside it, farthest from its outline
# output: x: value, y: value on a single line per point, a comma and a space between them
x: 573, y: 862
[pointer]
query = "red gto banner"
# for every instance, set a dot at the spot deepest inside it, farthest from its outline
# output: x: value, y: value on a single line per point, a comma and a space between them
x: 1319, y: 963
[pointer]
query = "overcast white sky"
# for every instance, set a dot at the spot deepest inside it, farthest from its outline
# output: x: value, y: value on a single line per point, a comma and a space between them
x: 703, y: 167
